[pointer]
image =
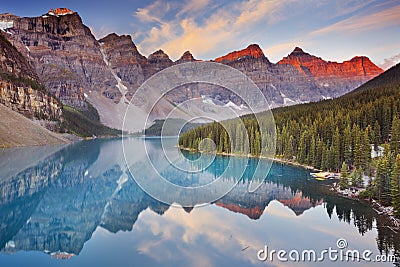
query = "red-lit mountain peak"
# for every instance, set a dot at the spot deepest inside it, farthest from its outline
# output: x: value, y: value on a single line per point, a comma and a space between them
x: 252, y: 51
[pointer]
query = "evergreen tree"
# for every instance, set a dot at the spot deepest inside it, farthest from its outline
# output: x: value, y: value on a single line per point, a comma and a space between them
x: 377, y: 135
x: 289, y: 148
x: 302, y: 150
x: 395, y: 136
x: 335, y: 151
x: 347, y: 145
x: 358, y: 153
x: 325, y: 164
x: 366, y: 149
x: 227, y: 144
x: 395, y: 183
x: 257, y: 143
x: 357, y: 178
x: 312, y: 152
x: 344, y: 177
x: 239, y: 139
x: 382, y: 179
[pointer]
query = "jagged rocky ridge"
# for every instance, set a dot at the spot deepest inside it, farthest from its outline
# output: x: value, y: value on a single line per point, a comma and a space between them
x: 335, y: 78
x: 77, y: 68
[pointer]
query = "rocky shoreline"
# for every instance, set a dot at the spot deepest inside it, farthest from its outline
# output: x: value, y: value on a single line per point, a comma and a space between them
x: 376, y: 206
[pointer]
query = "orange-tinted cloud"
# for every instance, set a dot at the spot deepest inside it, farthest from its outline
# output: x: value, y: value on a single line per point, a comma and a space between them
x: 223, y: 26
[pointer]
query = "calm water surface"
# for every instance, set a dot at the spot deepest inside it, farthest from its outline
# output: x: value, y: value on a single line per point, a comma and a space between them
x: 78, y: 205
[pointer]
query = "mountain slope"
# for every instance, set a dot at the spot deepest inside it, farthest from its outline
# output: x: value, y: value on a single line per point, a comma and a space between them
x: 390, y: 78
x: 17, y: 130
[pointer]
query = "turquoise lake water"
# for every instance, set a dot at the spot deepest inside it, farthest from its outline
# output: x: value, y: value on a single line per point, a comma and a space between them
x: 79, y: 205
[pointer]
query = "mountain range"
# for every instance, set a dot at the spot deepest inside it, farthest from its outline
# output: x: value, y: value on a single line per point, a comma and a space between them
x: 59, y: 52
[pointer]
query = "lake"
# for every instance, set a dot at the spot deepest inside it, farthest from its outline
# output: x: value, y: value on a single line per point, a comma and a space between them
x: 82, y: 205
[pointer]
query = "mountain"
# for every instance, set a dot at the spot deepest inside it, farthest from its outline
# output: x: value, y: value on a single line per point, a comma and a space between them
x: 186, y: 57
x: 65, y: 55
x: 78, y: 69
x: 252, y: 51
x: 300, y: 77
x: 281, y: 84
x: 22, y: 91
x: 339, y: 78
x: 389, y: 79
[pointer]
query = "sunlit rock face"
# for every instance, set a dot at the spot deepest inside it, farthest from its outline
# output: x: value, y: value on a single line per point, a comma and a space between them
x: 340, y: 78
x: 252, y: 51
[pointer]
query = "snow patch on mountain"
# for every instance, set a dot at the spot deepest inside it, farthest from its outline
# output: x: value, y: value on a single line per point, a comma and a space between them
x: 288, y: 101
x: 207, y: 100
x: 121, y: 87
x: 230, y: 104
x: 4, y: 25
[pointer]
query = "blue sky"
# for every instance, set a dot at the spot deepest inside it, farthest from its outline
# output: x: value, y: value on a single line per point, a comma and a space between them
x: 333, y: 30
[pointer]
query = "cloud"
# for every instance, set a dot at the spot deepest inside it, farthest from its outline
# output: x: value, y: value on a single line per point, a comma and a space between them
x: 340, y: 8
x: 193, y: 6
x: 202, y: 35
x: 254, y: 11
x: 356, y: 24
x: 185, y: 234
x: 389, y: 62
x: 154, y: 12
x: 283, y: 48
x: 101, y: 32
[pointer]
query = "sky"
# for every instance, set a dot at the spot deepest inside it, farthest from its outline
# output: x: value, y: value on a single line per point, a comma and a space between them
x: 334, y: 30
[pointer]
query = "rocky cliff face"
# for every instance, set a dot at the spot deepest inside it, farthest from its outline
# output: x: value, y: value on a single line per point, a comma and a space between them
x: 30, y: 102
x: 19, y: 88
x: 77, y: 68
x: 156, y: 62
x: 125, y: 62
x: 334, y: 78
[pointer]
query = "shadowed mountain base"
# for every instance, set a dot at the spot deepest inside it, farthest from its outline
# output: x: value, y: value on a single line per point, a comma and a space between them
x: 17, y: 130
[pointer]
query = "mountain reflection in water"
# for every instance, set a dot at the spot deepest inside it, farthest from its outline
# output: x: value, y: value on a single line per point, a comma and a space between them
x: 53, y: 199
